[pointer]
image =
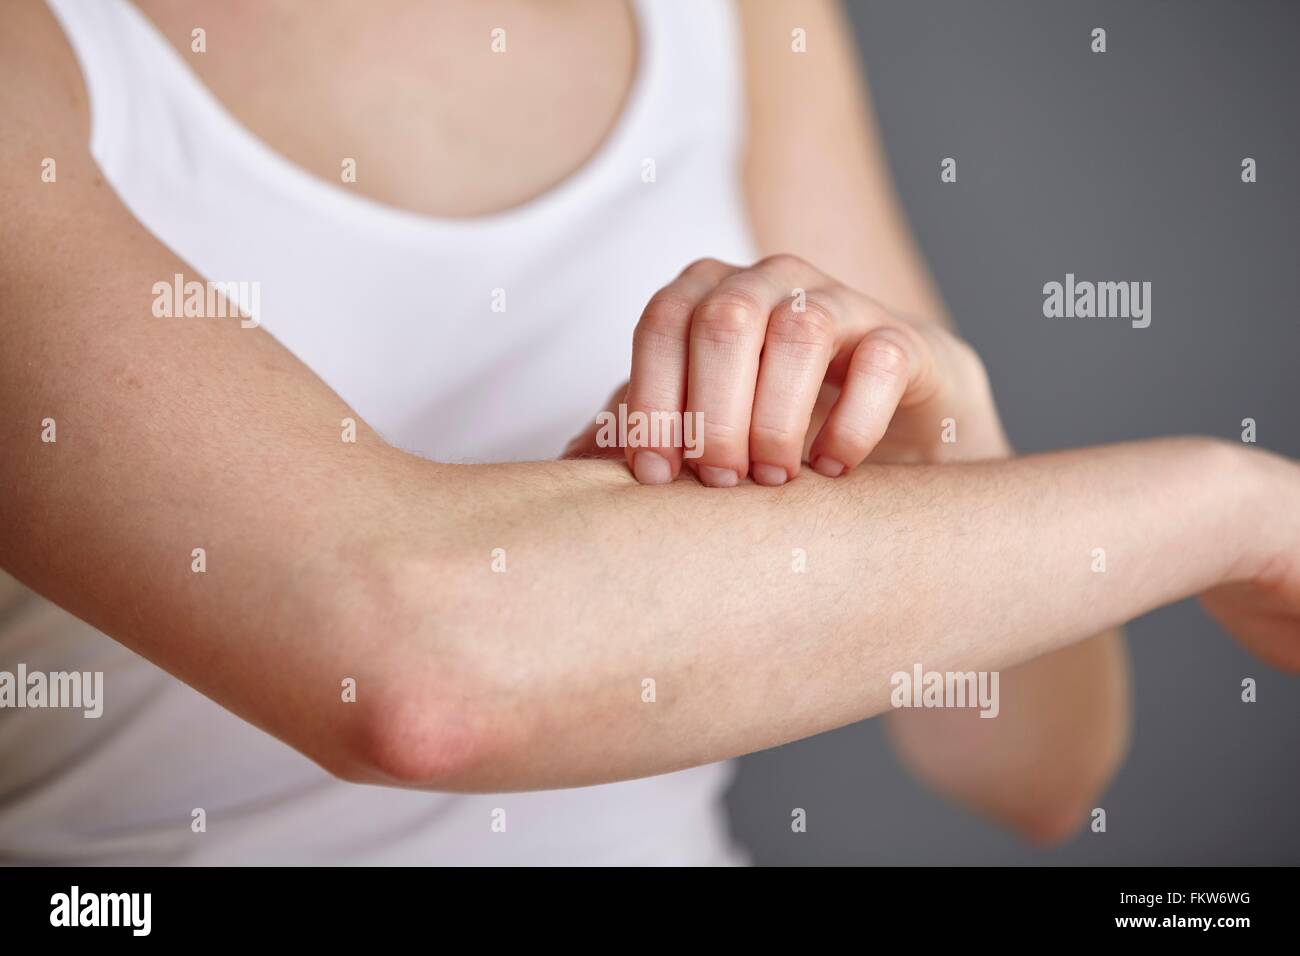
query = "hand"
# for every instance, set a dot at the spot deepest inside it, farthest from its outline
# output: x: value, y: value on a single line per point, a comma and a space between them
x: 772, y: 355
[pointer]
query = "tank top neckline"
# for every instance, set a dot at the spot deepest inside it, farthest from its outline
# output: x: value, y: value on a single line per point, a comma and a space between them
x: 614, y: 156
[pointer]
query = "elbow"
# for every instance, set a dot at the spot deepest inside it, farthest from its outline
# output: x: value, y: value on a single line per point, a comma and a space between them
x: 1050, y: 824
x: 1063, y: 808
x: 427, y: 733
x: 423, y: 745
x: 1043, y: 791
x: 438, y: 722
x: 428, y: 698
x: 427, y: 713
x: 394, y: 741
x: 390, y: 739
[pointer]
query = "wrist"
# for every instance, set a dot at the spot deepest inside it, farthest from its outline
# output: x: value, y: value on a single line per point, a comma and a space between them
x: 1265, y: 490
x: 984, y: 439
x: 976, y: 434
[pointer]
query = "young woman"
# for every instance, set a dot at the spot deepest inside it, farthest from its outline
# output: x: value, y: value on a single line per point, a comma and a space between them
x: 320, y: 545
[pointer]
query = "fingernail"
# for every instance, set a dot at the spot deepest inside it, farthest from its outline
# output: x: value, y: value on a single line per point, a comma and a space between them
x: 718, y: 477
x: 825, y: 465
x: 771, y: 475
x: 651, y: 469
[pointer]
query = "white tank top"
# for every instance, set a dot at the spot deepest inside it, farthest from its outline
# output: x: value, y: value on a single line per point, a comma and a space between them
x: 395, y: 311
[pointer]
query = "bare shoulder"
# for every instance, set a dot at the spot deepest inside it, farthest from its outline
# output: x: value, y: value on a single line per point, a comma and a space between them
x: 42, y: 96
x: 44, y: 133
x: 47, y: 176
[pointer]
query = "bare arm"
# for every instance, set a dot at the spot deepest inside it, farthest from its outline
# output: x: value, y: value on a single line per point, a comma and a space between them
x: 328, y: 560
x: 816, y: 177
x: 955, y: 567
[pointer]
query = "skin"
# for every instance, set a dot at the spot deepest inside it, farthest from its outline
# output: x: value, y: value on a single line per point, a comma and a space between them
x: 332, y: 560
x: 846, y: 379
x: 751, y: 349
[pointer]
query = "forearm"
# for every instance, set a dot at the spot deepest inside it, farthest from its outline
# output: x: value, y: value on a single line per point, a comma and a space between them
x: 1061, y: 732
x: 960, y: 567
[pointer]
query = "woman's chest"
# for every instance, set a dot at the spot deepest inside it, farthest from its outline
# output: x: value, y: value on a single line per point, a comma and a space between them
x: 454, y: 109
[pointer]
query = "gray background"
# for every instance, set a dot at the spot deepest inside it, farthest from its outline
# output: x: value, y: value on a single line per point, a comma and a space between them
x: 1115, y: 166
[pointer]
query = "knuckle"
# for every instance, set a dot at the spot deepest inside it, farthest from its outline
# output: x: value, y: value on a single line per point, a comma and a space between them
x: 814, y: 327
x: 706, y: 265
x: 721, y: 437
x: 852, y: 436
x: 727, y: 316
x: 654, y: 397
x: 653, y: 343
x: 881, y: 354
x: 783, y: 261
x: 773, y: 435
x: 667, y: 313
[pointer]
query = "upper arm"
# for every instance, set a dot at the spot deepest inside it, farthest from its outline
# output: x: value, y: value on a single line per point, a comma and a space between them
x: 169, y: 435
x: 816, y: 178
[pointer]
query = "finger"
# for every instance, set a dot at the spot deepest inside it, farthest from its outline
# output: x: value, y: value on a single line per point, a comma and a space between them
x: 802, y: 332
x: 826, y: 399
x: 889, y: 362
x: 726, y: 342
x: 656, y: 394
